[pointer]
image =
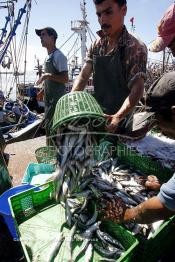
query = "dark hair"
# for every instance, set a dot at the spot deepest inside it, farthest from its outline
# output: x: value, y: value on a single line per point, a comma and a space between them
x: 119, y: 2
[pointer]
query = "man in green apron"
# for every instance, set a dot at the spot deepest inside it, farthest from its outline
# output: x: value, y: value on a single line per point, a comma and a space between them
x: 159, y: 106
x: 159, y: 100
x: 118, y: 63
x: 55, y: 76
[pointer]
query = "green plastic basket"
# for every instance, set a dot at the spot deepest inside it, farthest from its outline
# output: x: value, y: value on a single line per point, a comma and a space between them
x: 38, y: 219
x: 79, y: 106
x: 46, y: 154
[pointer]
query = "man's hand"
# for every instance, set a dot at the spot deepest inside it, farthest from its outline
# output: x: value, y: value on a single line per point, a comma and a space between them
x: 113, y: 210
x: 43, y: 77
x: 152, y: 183
x: 112, y: 122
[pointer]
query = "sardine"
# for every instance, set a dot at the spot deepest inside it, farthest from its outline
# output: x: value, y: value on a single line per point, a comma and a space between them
x: 107, y: 238
x: 88, y: 253
x: 108, y: 253
x: 69, y: 242
x: 55, y: 248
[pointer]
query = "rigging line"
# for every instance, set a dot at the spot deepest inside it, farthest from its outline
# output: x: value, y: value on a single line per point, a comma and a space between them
x: 66, y: 41
x: 26, y: 41
x: 21, y: 46
x: 13, y: 46
x: 17, y: 22
x: 74, y: 53
x: 73, y: 46
x: 20, y: 50
x: 91, y: 32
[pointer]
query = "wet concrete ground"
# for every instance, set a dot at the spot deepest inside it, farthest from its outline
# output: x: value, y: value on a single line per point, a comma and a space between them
x: 20, y: 155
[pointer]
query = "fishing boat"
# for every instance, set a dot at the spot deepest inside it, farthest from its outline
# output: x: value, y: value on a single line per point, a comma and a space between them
x: 17, y: 121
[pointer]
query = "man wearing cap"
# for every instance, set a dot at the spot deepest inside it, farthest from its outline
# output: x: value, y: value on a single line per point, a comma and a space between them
x: 55, y: 76
x: 160, y: 98
x: 166, y: 32
x: 160, y: 105
x: 118, y: 63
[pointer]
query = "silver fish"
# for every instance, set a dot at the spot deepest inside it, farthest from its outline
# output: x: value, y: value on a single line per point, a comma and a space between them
x: 88, y: 253
x: 55, y: 248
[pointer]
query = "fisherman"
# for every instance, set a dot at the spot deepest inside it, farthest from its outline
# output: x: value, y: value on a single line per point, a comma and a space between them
x: 2, y: 99
x: 16, y: 111
x: 118, y: 63
x: 2, y: 115
x: 55, y: 76
x: 161, y: 102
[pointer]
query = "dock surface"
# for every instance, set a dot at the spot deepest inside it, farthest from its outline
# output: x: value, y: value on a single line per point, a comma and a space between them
x: 20, y: 155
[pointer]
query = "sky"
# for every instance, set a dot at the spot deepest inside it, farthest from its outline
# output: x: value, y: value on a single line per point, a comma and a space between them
x: 59, y: 14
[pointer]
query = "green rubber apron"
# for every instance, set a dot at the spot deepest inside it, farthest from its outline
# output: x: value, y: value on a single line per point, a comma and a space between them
x: 53, y: 91
x: 110, y: 87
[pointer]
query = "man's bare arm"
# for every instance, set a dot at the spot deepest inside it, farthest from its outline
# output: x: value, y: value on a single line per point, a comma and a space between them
x: 82, y: 79
x: 59, y: 78
x: 128, y: 105
x: 147, y: 212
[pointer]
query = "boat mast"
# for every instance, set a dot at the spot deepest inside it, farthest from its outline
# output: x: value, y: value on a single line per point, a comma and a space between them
x: 80, y: 27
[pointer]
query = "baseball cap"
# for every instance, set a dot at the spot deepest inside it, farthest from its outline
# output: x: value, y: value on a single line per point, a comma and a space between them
x: 160, y: 97
x: 49, y: 30
x: 166, y: 30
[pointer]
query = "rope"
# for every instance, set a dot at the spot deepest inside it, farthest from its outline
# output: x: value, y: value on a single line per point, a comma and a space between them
x: 66, y: 41
x: 91, y: 33
x: 72, y: 46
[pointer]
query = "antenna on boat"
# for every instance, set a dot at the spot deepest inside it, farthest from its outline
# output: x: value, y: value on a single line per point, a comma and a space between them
x: 79, y: 27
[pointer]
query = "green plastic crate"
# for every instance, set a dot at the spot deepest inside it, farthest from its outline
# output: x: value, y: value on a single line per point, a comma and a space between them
x: 152, y: 249
x: 33, y: 169
x: 143, y: 163
x: 39, y: 218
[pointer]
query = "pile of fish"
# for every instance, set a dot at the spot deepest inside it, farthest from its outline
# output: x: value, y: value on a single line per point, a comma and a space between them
x: 81, y: 182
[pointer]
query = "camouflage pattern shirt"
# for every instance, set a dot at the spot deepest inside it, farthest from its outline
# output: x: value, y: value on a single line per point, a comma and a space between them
x: 133, y: 58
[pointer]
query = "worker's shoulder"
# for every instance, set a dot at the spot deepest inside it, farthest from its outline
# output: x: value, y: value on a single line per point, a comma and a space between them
x: 58, y: 53
x: 135, y: 40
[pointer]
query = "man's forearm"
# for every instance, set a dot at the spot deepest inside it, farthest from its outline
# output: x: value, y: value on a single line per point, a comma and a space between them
x: 81, y: 81
x: 132, y: 100
x: 63, y: 79
x: 147, y: 212
x: 125, y: 109
x: 79, y: 84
